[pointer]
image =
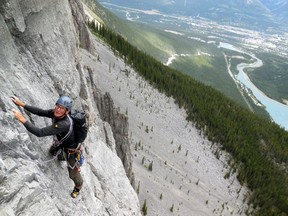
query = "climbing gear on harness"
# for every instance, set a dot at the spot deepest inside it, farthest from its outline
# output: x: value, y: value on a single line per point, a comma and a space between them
x: 75, y: 192
x: 65, y: 101
x: 81, y: 159
x: 75, y: 154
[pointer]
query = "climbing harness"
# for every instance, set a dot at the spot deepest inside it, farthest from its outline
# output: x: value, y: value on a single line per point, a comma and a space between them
x: 77, y: 154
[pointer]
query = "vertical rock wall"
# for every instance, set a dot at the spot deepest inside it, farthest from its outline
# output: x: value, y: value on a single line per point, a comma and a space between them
x: 119, y: 124
x: 39, y: 60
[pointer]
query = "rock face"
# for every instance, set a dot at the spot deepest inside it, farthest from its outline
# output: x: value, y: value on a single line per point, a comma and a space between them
x: 40, y: 48
x: 119, y: 124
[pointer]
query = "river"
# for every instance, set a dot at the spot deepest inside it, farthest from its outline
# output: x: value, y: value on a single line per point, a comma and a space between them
x: 277, y: 111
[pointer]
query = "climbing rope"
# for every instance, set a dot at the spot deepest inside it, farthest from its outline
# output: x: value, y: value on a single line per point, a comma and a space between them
x: 22, y: 155
x: 55, y: 157
x: 26, y: 157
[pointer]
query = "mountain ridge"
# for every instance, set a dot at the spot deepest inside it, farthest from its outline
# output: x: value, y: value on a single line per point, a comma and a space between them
x: 257, y: 14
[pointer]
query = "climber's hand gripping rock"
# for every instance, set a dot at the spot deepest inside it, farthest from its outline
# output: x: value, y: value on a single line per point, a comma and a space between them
x: 18, y: 115
x: 17, y: 101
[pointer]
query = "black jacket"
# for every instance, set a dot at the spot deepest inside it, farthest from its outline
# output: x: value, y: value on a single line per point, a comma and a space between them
x: 59, y: 127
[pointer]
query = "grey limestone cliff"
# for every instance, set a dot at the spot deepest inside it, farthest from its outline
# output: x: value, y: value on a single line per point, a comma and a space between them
x: 40, y: 46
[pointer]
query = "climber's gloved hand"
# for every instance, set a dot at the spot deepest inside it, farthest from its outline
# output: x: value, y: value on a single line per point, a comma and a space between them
x: 17, y: 101
x: 18, y: 115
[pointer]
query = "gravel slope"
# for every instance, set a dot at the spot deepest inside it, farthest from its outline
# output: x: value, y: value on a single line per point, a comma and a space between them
x: 186, y: 178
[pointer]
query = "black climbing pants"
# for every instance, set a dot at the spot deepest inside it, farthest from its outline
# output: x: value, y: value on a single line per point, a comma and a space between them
x: 74, y: 173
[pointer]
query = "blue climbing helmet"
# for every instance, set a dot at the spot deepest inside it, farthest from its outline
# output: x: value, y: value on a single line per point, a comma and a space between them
x: 65, y: 101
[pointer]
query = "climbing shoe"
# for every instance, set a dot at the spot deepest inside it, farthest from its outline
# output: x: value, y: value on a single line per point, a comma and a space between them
x: 75, y: 192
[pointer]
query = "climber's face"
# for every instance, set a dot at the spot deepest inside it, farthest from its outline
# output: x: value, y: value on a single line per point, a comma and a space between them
x: 60, y: 111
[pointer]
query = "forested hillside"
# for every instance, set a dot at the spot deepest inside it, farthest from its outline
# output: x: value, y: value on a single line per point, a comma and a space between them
x: 258, y: 146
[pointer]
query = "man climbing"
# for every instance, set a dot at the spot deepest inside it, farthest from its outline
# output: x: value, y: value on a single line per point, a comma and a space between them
x: 62, y: 130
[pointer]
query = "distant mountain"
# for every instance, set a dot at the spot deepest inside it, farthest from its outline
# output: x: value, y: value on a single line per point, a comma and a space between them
x: 261, y: 14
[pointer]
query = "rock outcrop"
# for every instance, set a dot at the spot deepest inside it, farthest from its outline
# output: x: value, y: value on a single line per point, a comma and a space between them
x: 119, y: 124
x: 39, y: 60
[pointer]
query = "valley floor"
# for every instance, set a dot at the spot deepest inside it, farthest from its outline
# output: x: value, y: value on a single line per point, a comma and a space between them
x: 176, y: 169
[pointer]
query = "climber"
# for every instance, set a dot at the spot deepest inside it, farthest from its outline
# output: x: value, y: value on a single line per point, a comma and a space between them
x: 62, y: 130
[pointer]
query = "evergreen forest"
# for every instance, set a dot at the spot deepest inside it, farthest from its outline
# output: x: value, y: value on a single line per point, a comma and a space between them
x: 259, y: 147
